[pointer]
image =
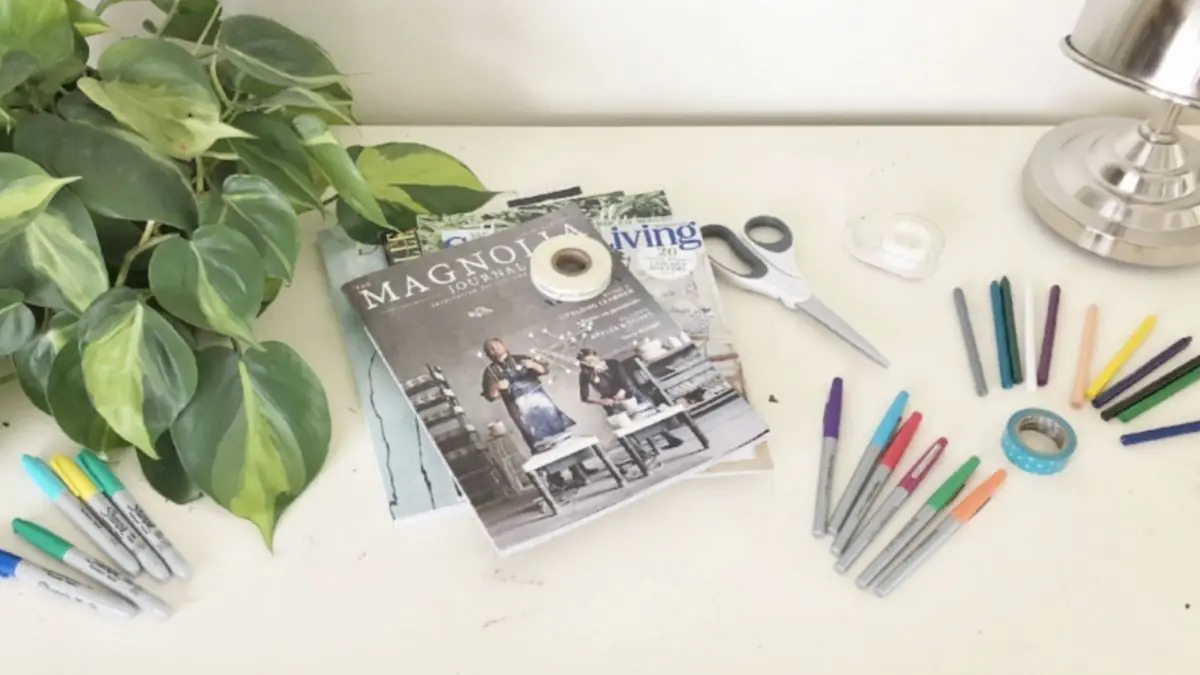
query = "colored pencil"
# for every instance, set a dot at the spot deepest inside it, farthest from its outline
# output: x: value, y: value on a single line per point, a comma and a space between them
x: 1159, y: 396
x: 1122, y: 356
x: 1084, y: 364
x: 1043, y: 372
x: 1010, y: 324
x: 1136, y: 376
x: 1149, y: 390
x: 968, y: 336
x: 1160, y: 433
x: 1002, y: 355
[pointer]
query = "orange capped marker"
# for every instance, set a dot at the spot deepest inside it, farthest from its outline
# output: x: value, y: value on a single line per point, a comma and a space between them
x: 958, y: 516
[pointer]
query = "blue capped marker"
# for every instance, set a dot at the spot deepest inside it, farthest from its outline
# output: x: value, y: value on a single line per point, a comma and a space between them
x: 883, y: 435
x: 80, y: 516
x: 13, y: 567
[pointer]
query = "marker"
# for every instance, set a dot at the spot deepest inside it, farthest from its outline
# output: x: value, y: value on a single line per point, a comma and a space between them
x: 115, y: 489
x: 883, y: 434
x: 891, y: 505
x: 14, y: 567
x: 1121, y: 357
x: 964, y: 511
x: 874, y: 485
x: 59, y: 549
x: 81, y: 517
x: 945, y: 494
x: 829, y: 443
x: 83, y: 488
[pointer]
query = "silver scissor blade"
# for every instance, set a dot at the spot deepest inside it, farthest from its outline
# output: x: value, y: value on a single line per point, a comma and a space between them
x: 817, y: 310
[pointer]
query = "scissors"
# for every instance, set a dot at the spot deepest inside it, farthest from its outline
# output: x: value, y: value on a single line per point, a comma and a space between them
x: 774, y: 273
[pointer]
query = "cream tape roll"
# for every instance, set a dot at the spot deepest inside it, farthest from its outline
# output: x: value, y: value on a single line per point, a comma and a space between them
x: 571, y: 268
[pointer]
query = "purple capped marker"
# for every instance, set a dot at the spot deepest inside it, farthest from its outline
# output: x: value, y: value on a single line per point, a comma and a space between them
x: 829, y: 443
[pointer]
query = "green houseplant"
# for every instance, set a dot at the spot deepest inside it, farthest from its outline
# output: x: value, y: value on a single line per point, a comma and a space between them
x: 149, y: 207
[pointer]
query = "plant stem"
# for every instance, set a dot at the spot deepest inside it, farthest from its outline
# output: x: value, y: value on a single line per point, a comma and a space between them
x: 5, y: 379
x: 147, y: 241
x: 216, y: 81
x: 212, y: 21
x: 199, y: 175
x: 103, y: 5
x: 170, y: 17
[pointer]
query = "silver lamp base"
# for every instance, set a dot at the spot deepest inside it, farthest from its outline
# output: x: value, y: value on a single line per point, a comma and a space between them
x: 1122, y: 188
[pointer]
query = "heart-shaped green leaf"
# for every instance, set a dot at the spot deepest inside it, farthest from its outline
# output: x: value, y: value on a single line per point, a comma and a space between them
x: 213, y: 281
x: 87, y: 23
x: 302, y: 100
x: 158, y: 89
x: 34, y: 360
x: 420, y: 178
x: 120, y: 177
x: 335, y: 164
x: 25, y: 190
x: 166, y: 474
x: 66, y: 392
x: 139, y: 372
x: 17, y: 324
x: 277, y: 154
x: 269, y: 51
x: 188, y: 19
x: 15, y: 69
x: 364, y: 231
x: 256, y: 433
x: 40, y: 27
x: 61, y: 258
x: 256, y: 208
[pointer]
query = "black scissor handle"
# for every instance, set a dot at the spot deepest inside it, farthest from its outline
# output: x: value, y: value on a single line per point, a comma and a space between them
x: 758, y: 268
x: 781, y: 245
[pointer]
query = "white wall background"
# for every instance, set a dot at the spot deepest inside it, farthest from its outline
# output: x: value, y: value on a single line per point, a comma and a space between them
x: 602, y: 61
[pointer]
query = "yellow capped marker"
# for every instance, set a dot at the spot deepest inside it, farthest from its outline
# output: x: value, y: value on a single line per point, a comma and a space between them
x: 1122, y: 357
x: 113, y: 520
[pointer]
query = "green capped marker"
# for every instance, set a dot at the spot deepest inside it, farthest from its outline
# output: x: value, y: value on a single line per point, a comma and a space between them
x: 110, y: 485
x: 937, y: 503
x: 62, y: 550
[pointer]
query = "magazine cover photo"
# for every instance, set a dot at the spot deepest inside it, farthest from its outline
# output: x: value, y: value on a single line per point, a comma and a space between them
x: 548, y: 413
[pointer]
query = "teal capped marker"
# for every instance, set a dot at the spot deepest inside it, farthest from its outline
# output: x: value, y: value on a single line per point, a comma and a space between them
x: 879, y: 441
x: 43, y: 476
x: 103, y: 476
x: 59, y: 549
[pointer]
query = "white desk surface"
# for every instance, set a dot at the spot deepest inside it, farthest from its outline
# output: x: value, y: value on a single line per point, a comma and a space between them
x: 1091, y: 571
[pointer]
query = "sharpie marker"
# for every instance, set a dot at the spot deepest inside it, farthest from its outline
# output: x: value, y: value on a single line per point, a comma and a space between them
x: 874, y: 486
x: 964, y: 511
x: 883, y: 434
x: 59, y: 549
x: 13, y: 567
x: 945, y: 494
x: 829, y: 443
x: 81, y: 517
x: 891, y: 505
x: 101, y: 475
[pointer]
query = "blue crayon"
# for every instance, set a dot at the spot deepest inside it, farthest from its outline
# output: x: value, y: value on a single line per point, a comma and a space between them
x: 1160, y: 433
x: 1004, y: 358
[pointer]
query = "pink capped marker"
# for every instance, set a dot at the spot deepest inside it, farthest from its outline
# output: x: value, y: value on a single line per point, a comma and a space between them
x: 891, y: 505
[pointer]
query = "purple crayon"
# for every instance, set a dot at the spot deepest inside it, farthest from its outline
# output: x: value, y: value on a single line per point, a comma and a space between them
x: 1138, y: 375
x: 1043, y: 370
x: 829, y: 443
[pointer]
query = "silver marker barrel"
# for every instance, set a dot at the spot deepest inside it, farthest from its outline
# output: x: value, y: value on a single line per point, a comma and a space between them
x: 86, y: 522
x: 116, y: 523
x: 824, y: 487
x: 117, y: 582
x: 857, y: 480
x: 903, y: 569
x: 879, y: 476
x: 878, y: 520
x: 154, y: 536
x: 73, y: 590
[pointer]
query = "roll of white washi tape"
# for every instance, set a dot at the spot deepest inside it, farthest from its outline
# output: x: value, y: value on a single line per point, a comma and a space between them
x: 571, y: 268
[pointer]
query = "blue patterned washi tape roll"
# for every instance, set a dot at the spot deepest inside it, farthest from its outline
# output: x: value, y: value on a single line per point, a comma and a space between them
x: 1047, y: 424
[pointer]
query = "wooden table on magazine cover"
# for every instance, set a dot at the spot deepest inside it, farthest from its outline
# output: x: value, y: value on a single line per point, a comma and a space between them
x: 629, y: 439
x: 562, y: 450
x: 1090, y: 571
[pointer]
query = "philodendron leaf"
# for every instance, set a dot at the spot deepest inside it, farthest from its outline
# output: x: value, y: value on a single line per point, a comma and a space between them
x: 139, y: 372
x: 67, y: 394
x: 61, y: 258
x: 188, y: 19
x: 213, y: 281
x: 16, y: 321
x: 25, y: 190
x: 121, y: 177
x: 34, y: 360
x: 256, y: 208
x: 302, y: 99
x: 277, y: 154
x: 364, y: 231
x: 269, y: 51
x: 40, y: 27
x: 158, y: 89
x: 256, y: 433
x: 15, y: 68
x: 87, y: 23
x: 338, y: 168
x: 166, y: 474
x: 421, y: 178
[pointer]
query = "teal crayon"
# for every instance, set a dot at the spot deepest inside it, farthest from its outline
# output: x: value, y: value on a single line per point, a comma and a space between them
x: 1002, y: 354
x: 1016, y: 372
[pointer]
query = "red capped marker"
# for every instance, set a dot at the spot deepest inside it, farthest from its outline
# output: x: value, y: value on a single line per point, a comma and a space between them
x: 879, y: 475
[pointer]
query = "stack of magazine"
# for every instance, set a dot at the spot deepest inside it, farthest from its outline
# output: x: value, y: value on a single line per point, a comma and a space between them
x: 476, y: 389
